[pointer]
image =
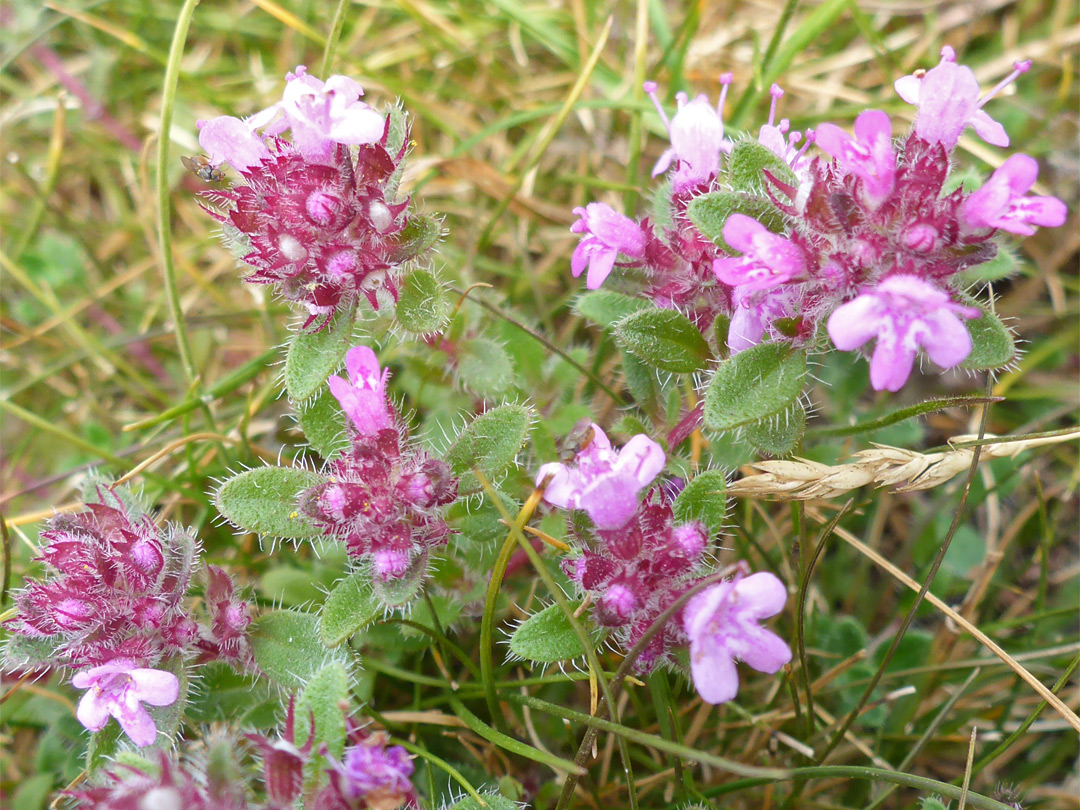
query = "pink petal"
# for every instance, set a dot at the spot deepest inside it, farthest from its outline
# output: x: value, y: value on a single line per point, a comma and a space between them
x: 988, y: 129
x: 362, y: 365
x: 358, y: 126
x: 154, y: 686
x: 761, y: 595
x: 93, y: 710
x: 870, y: 126
x: 1020, y: 173
x: 580, y: 258
x: 890, y: 366
x: 600, y: 268
x: 610, y: 500
x: 229, y: 140
x: 138, y: 725
x: 740, y: 230
x: 854, y: 323
x: 907, y: 87
x: 664, y: 162
x: 701, y: 609
x: 746, y: 329
x: 764, y: 650
x: 831, y: 138
x: 563, y: 487
x: 715, y: 676
x: 642, y: 458
x: 947, y: 341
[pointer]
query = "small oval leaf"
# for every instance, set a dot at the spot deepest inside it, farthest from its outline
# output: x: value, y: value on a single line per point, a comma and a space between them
x: 778, y: 434
x: 485, y: 367
x: 314, y: 356
x: 322, y: 698
x: 491, y: 442
x: 710, y: 212
x: 287, y: 647
x: 607, y: 307
x: 417, y: 237
x: 323, y: 423
x: 264, y: 500
x: 421, y: 306
x: 754, y: 385
x: 350, y: 606
x: 546, y: 637
x: 992, y: 344
x: 748, y: 161
x: 664, y: 339
x: 704, y: 499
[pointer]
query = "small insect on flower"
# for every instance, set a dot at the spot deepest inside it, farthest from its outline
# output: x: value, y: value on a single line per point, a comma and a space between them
x: 581, y: 435
x: 201, y: 167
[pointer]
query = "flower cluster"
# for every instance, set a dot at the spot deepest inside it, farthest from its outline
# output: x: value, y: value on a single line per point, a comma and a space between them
x: 634, y: 573
x: 638, y: 561
x: 115, y: 587
x: 371, y: 775
x: 316, y: 216
x: 114, y: 606
x: 384, y: 497
x: 869, y: 242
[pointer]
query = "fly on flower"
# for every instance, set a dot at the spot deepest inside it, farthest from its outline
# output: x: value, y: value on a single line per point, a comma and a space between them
x: 201, y: 167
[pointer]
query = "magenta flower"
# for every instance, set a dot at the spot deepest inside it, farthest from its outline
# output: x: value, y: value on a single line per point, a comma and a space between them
x: 604, y: 482
x: 697, y: 137
x: 722, y: 623
x: 1001, y: 203
x: 904, y: 313
x: 118, y: 688
x: 948, y: 100
x: 869, y: 155
x: 363, y: 396
x: 608, y: 233
x: 771, y: 135
x: 767, y: 260
x: 376, y: 774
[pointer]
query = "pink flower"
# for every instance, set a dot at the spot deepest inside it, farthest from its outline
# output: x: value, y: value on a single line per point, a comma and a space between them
x: 722, y: 623
x: 604, y: 483
x: 608, y: 233
x: 869, y: 155
x: 948, y: 100
x: 320, y: 115
x: 363, y: 396
x: 697, y: 137
x: 768, y: 260
x: 1001, y: 203
x: 755, y: 312
x: 230, y: 140
x: 904, y: 313
x: 118, y: 688
x: 375, y: 773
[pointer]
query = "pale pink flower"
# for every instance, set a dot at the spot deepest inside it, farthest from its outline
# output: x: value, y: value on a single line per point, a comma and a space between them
x: 869, y: 155
x: 904, y: 313
x: 607, y: 234
x: 948, y: 100
x: 767, y: 261
x: 722, y: 623
x: 118, y: 688
x: 363, y: 396
x: 697, y: 137
x: 604, y: 482
x: 1001, y: 203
